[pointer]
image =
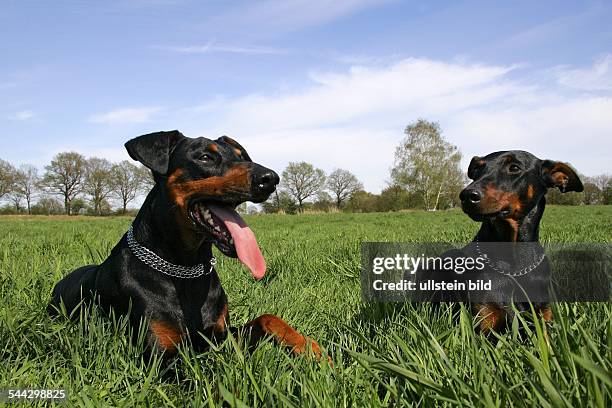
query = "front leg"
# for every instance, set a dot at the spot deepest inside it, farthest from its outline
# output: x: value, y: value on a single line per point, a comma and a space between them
x: 273, y: 326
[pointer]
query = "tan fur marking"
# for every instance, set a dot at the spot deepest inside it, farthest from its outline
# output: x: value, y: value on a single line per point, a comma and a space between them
x: 213, y: 148
x: 238, y: 152
x: 221, y: 321
x: 530, y: 191
x: 496, y: 200
x: 174, y: 176
x: 267, y: 325
x: 560, y: 178
x: 236, y: 179
x: 547, y: 314
x: 492, y: 317
x: 167, y: 335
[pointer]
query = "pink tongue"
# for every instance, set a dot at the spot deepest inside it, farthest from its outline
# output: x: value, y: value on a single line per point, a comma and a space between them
x: 244, y: 240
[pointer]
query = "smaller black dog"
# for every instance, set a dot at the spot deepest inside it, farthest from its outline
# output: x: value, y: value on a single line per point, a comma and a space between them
x: 507, y: 196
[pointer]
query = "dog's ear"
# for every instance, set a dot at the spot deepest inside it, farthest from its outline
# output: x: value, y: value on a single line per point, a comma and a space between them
x: 475, y: 163
x: 240, y: 151
x: 154, y: 149
x: 561, y: 175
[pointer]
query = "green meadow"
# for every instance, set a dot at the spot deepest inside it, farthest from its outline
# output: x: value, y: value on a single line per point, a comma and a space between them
x: 382, y: 354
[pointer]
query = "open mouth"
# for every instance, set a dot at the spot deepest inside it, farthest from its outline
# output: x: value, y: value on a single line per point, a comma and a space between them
x: 230, y: 234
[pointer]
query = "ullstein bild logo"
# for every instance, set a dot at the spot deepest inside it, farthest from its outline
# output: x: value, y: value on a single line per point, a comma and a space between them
x: 485, y: 272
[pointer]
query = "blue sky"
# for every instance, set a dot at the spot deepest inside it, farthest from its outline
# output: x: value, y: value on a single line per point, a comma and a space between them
x: 329, y: 82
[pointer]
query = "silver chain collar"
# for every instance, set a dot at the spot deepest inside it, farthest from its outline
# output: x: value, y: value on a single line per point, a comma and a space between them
x: 520, y: 272
x: 156, y: 262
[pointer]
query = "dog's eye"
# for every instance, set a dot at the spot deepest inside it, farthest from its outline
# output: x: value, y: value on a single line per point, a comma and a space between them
x: 514, y: 169
x: 207, y: 158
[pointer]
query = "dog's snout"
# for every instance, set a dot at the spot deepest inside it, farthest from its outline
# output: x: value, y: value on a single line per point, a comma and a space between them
x: 470, y: 195
x: 266, y: 181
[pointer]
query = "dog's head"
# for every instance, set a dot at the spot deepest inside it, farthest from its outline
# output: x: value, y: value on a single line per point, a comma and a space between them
x: 509, y: 184
x: 205, y: 180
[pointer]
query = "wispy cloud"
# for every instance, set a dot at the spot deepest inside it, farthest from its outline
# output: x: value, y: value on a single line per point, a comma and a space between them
x: 288, y: 15
x: 212, y: 47
x: 595, y: 78
x: 22, y: 115
x: 362, y: 113
x: 126, y: 115
x: 555, y: 29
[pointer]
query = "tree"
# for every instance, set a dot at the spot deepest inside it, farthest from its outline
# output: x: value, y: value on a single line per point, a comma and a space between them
x: 7, y: 178
x: 278, y: 202
x: 47, y: 206
x: 26, y: 184
x: 78, y: 206
x: 323, y: 202
x: 98, y: 182
x: 556, y: 197
x: 603, y: 182
x: 342, y: 184
x: 395, y: 198
x: 302, y: 180
x: 65, y: 175
x: 128, y: 181
x: 362, y: 201
x: 427, y: 164
x: 16, y: 200
x: 591, y: 193
x: 607, y: 194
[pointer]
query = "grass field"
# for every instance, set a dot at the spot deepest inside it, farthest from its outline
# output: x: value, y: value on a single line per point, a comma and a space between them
x: 383, y: 355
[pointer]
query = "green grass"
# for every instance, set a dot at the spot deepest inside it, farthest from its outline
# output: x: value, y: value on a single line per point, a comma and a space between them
x: 383, y: 354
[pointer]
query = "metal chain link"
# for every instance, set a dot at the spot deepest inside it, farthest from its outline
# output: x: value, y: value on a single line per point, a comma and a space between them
x: 521, y: 272
x: 153, y: 260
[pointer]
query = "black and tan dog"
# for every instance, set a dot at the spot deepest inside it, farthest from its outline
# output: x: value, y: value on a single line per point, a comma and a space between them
x: 507, y: 196
x: 162, y: 269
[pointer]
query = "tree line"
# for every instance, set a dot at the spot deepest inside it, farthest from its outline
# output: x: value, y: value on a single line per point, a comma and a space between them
x: 72, y: 184
x: 426, y: 174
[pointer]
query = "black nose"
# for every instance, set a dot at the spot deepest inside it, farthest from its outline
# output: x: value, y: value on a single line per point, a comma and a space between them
x: 471, y: 195
x: 265, y: 182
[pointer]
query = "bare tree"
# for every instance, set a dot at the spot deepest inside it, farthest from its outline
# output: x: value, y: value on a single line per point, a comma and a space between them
x: 65, y: 175
x: 427, y: 164
x: 26, y: 184
x: 98, y: 182
x: 343, y: 184
x: 7, y: 178
x: 302, y: 180
x: 129, y: 180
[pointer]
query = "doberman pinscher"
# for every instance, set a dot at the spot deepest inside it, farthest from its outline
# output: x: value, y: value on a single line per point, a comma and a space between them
x: 507, y: 195
x: 162, y: 270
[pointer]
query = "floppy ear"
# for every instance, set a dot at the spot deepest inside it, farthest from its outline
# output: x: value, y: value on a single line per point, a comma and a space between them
x: 236, y: 145
x: 561, y: 175
x: 474, y: 164
x: 153, y: 150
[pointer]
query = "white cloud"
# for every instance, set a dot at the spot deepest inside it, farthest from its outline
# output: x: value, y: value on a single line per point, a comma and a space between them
x: 596, y: 78
x: 22, y: 115
x: 126, y: 115
x: 354, y: 119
